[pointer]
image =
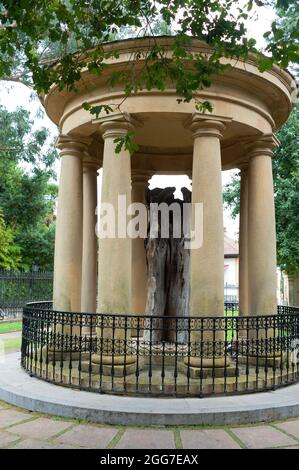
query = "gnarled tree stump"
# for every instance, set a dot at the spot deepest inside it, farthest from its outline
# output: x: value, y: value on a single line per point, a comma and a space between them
x: 168, y: 263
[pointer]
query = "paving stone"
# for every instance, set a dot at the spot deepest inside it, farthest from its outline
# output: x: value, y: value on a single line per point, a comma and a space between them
x: 6, y: 438
x: 146, y: 439
x: 208, y: 439
x: 35, y: 444
x: 261, y: 437
x: 89, y: 437
x: 9, y: 416
x: 292, y: 427
x: 41, y: 428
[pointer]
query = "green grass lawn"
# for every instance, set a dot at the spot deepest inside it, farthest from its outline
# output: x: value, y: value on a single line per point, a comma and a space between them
x: 11, y: 326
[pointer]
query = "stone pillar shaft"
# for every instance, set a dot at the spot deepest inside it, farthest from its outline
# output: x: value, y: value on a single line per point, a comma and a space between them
x: 68, y: 241
x: 207, y: 261
x: 262, y: 236
x: 89, y: 253
x: 139, y: 270
x: 244, y: 309
x: 115, y: 254
x: 207, y: 275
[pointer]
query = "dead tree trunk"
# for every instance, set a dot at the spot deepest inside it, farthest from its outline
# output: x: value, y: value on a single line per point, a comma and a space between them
x: 168, y: 263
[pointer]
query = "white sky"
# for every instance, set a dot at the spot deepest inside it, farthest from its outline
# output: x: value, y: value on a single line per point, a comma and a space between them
x: 19, y: 95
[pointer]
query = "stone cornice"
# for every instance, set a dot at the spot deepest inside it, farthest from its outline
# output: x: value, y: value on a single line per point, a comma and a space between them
x: 271, y: 86
x: 203, y: 94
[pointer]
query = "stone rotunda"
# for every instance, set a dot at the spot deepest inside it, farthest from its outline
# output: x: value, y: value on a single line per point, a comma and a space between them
x: 110, y: 277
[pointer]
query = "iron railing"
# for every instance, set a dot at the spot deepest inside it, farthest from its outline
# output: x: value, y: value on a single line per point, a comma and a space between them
x: 161, y: 356
x: 17, y: 288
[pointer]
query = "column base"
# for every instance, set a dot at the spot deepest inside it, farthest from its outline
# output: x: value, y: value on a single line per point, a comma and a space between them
x: 204, y: 368
x: 207, y: 362
x: 120, y: 370
x: 271, y: 360
x: 118, y: 365
x: 204, y: 373
x: 61, y: 355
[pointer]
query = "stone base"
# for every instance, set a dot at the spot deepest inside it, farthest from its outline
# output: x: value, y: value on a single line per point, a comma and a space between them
x: 262, y: 361
x: 207, y: 362
x: 59, y: 355
x: 217, y: 372
x: 167, y: 381
x: 119, y: 370
x: 106, y: 359
x: 120, y: 366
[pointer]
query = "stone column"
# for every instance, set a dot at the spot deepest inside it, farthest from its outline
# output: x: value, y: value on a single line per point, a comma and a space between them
x: 139, y: 270
x: 261, y: 230
x: 262, y: 281
x: 207, y: 271
x: 115, y: 252
x: 243, y: 243
x: 90, y: 245
x: 68, y: 240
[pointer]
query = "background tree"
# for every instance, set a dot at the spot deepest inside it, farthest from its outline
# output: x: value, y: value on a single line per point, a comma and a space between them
x: 9, y: 251
x: 27, y: 191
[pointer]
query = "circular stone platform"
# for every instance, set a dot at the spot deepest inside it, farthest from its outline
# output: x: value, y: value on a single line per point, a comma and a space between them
x: 17, y: 388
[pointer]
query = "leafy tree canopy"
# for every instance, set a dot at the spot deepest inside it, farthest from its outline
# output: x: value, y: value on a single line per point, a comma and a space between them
x: 36, y: 33
x: 9, y: 251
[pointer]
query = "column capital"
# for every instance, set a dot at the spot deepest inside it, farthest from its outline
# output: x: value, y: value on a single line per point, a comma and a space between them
x: 90, y: 164
x: 243, y: 167
x: 74, y: 145
x: 207, y: 125
x: 117, y: 125
x: 261, y: 145
x: 140, y: 177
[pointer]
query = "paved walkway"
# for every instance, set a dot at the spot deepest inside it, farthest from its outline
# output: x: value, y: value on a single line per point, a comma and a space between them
x: 9, y: 343
x: 21, y: 429
x: 11, y: 335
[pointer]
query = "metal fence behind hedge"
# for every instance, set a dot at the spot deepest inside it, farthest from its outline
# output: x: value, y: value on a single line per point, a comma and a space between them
x: 17, y: 288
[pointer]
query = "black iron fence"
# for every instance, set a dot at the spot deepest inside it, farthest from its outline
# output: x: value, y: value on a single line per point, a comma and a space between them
x: 18, y: 288
x: 162, y: 356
